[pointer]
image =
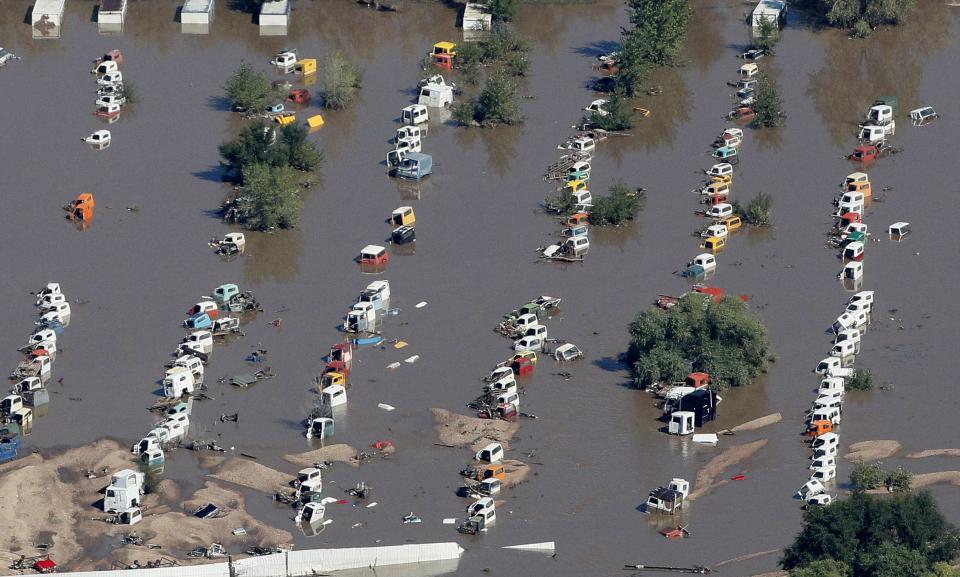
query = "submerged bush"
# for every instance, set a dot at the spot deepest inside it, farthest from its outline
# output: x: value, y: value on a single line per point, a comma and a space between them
x: 270, y: 198
x: 867, y: 476
x: 758, y: 210
x: 340, y: 80
x: 862, y: 380
x: 767, y: 104
x: 247, y: 89
x: 619, y: 206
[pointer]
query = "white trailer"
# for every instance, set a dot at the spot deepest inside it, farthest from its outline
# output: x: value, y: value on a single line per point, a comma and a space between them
x: 47, y: 17
x: 111, y: 15
x: 477, y: 21
x: 196, y: 16
x: 274, y: 18
x: 772, y: 10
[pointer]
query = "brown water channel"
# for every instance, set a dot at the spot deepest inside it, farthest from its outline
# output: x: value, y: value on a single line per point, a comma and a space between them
x: 598, y: 449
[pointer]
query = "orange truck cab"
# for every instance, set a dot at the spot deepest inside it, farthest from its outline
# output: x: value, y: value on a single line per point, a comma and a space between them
x: 492, y: 472
x: 861, y: 187
x: 82, y: 207
x: 698, y: 380
x: 443, y: 53
x: 817, y: 428
x: 577, y: 218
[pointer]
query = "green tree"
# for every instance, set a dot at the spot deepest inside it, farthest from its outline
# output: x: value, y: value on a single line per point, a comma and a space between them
x: 618, y: 207
x: 616, y: 117
x: 498, y: 102
x: 767, y: 104
x: 502, y: 10
x: 261, y: 143
x: 866, y: 476
x: 768, y: 34
x: 247, y: 89
x: 822, y: 568
x: 891, y: 560
x: 340, y: 80
x: 842, y: 13
x: 301, y: 154
x: 270, y: 197
x: 862, y: 380
x: 860, y: 532
x: 721, y: 338
x: 632, y: 66
x: 941, y: 569
x: 758, y: 211
x: 899, y: 480
x: 661, y: 27
x: 892, y: 12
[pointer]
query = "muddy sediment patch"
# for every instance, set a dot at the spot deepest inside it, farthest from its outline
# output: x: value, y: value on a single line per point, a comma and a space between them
x: 758, y: 423
x: 341, y: 453
x: 865, y: 451
x: 707, y: 477
x: 934, y: 453
x: 252, y: 476
x: 461, y: 431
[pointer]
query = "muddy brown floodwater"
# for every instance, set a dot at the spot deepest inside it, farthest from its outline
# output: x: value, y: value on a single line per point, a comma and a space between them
x: 596, y: 446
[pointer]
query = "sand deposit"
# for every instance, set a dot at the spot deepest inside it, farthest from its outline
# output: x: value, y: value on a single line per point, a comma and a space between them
x: 253, y: 476
x: 460, y: 431
x: 865, y: 451
x: 336, y: 453
x: 707, y: 477
x: 758, y: 423
x: 63, y: 510
x: 934, y: 453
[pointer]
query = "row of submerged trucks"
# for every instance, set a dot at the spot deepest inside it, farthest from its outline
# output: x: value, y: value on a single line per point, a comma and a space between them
x: 407, y: 159
x: 215, y: 317
x: 500, y: 399
x: 849, y: 236
x: 29, y: 396
x: 110, y: 96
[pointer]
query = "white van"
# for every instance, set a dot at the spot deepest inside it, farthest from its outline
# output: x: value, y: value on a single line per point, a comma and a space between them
x: 831, y: 414
x: 825, y: 451
x: 844, y: 349
x: 850, y: 320
x: 831, y: 385
x: 826, y: 441
x: 823, y: 462
x: 721, y: 210
x: 824, y: 475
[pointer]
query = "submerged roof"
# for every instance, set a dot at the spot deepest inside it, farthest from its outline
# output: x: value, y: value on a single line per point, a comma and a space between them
x: 197, y: 5
x: 49, y: 6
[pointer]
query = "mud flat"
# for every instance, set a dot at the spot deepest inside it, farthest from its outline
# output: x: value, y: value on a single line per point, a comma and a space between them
x: 337, y: 453
x: 865, y: 451
x: 460, y: 431
x: 758, y: 423
x: 64, y: 511
x: 934, y: 453
x: 252, y: 476
x: 707, y: 477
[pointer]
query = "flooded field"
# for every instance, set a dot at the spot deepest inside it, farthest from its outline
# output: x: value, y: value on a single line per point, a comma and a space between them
x: 595, y: 449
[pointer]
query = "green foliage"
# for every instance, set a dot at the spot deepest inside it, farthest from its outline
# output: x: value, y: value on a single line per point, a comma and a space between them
x: 862, y: 380
x: 247, y: 89
x: 891, y: 560
x: 899, y: 480
x: 822, y: 568
x: 723, y: 339
x: 261, y: 143
x: 866, y: 476
x: 502, y: 10
x: 504, y: 48
x: 618, y: 116
x: 842, y: 13
x: 128, y: 91
x: 661, y: 28
x: 339, y: 81
x: 941, y: 569
x: 768, y: 34
x: 758, y: 210
x: 497, y: 103
x: 767, y: 103
x: 861, y: 29
x: 862, y: 15
x: 633, y: 68
x: 301, y: 154
x: 270, y: 198
x: 619, y: 206
x: 901, y: 535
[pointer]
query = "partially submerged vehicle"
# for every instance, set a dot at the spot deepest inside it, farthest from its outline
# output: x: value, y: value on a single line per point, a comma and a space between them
x: 668, y: 499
